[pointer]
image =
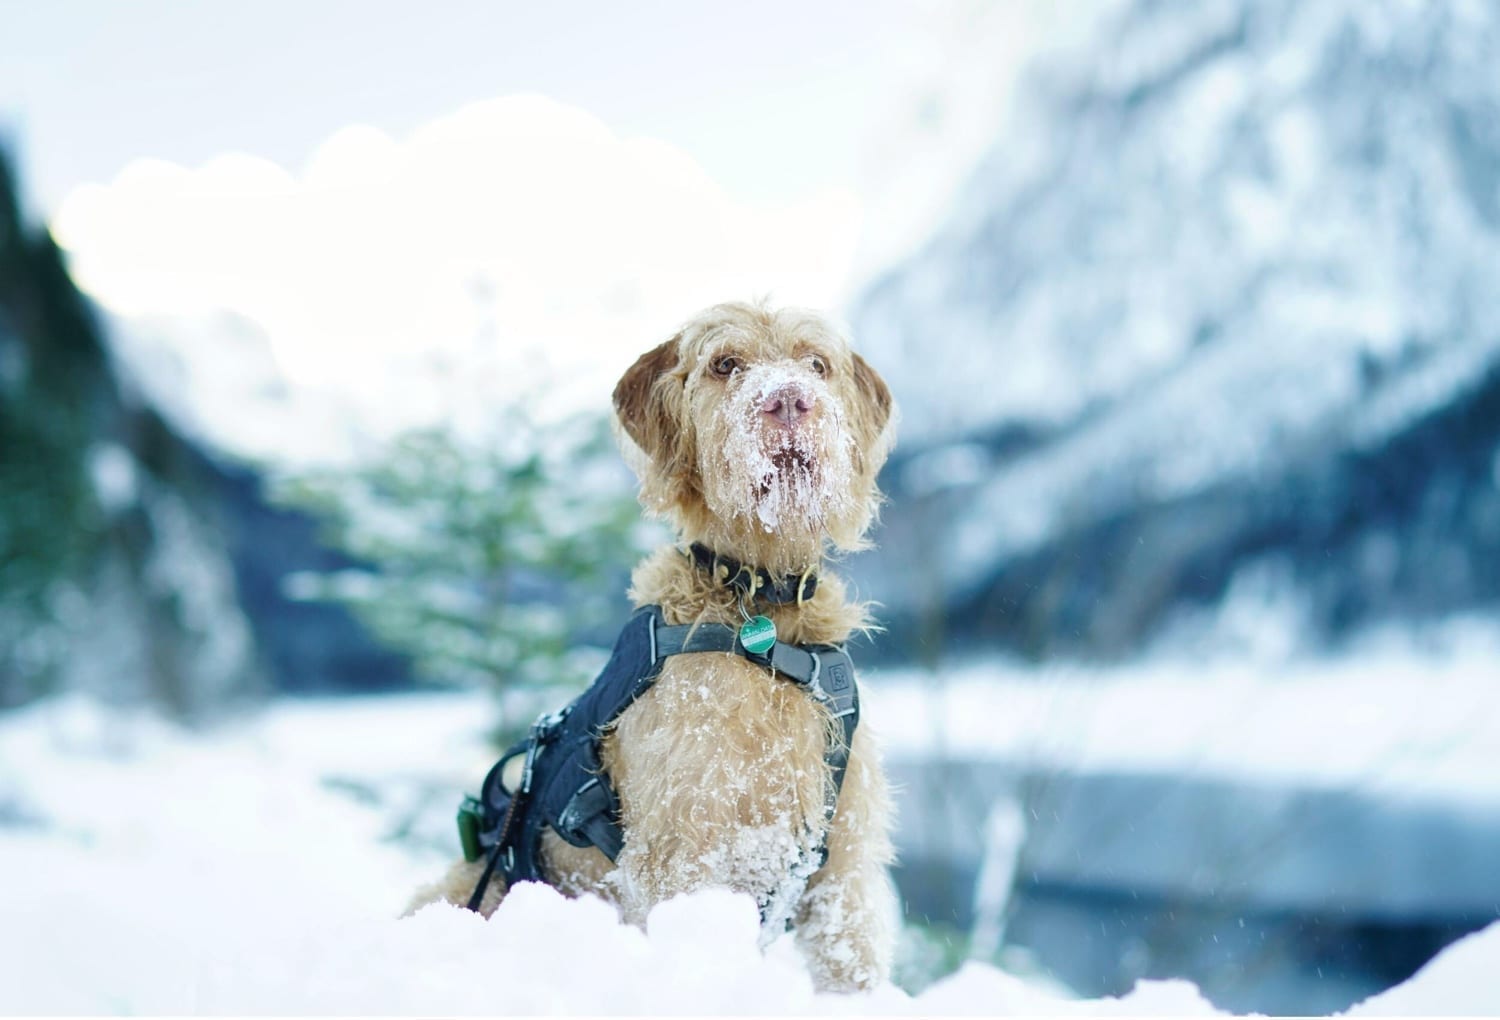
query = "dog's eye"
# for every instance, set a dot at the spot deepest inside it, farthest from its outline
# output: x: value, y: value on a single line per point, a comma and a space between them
x: 727, y: 365
x: 819, y: 365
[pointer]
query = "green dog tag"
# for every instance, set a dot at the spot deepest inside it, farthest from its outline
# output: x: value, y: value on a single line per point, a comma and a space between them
x: 758, y: 635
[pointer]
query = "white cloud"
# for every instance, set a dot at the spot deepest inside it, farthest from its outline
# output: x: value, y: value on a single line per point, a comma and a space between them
x: 514, y: 240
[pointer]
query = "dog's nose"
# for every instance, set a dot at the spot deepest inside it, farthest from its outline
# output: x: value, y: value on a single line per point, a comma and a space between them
x: 787, y: 404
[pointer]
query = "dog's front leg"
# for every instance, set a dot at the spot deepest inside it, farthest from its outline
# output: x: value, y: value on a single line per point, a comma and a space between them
x: 657, y: 865
x: 677, y: 821
x: 846, y: 924
x: 647, y: 875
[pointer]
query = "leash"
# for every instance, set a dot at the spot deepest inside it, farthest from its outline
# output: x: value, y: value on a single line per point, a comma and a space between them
x: 489, y: 869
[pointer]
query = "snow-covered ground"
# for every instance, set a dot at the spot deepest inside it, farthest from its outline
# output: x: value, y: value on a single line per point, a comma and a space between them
x: 1394, y: 719
x: 255, y: 868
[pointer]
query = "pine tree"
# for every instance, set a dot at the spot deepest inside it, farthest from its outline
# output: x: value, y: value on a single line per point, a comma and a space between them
x: 52, y: 385
x: 496, y: 563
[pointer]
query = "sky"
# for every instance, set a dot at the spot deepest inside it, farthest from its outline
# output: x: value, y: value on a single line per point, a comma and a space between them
x: 772, y: 102
x: 319, y: 218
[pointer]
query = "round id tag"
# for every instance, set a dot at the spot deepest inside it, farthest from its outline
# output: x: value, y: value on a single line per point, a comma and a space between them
x: 758, y: 635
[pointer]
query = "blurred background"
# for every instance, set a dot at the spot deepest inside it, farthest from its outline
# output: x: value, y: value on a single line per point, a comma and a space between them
x: 309, y: 314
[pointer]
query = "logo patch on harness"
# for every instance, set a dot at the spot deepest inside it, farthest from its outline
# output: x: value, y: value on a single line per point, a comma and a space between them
x: 838, y: 677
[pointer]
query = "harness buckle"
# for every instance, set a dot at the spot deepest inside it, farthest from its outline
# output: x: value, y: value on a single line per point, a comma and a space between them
x: 526, y: 770
x: 541, y: 734
x: 547, y: 723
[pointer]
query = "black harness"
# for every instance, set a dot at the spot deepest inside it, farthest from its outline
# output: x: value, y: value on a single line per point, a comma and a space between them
x: 563, y: 785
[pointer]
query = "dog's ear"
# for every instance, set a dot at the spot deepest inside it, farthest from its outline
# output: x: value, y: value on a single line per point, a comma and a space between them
x: 637, y: 398
x: 874, y: 392
x: 874, y: 417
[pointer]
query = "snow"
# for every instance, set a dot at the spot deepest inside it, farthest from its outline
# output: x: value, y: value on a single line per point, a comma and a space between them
x: 1231, y: 236
x: 252, y: 869
x: 1393, y: 719
x: 953, y: 92
x: 798, y: 474
x: 113, y: 472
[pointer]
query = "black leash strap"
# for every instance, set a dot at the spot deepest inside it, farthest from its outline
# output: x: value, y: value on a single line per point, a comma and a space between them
x: 484, y: 878
x: 494, y: 783
x: 489, y: 868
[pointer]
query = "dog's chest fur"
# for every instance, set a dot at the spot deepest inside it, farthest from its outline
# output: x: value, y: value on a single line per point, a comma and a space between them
x: 719, y: 741
x: 726, y: 771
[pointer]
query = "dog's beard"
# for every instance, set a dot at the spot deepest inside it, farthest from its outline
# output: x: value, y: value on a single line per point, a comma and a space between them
x: 782, y: 479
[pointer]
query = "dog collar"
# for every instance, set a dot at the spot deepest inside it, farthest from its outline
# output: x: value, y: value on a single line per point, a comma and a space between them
x: 755, y: 582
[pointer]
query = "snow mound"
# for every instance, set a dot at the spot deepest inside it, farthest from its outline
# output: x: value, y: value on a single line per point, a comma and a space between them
x: 241, y: 872
x: 542, y: 953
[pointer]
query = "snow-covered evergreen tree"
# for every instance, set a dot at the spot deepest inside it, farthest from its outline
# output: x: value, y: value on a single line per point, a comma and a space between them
x: 489, y: 561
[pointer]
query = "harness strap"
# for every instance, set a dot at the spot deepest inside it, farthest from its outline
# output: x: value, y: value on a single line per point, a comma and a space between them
x: 590, y: 816
x: 825, y: 670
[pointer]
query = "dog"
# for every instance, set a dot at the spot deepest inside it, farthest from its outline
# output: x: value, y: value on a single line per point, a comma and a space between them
x: 757, y: 434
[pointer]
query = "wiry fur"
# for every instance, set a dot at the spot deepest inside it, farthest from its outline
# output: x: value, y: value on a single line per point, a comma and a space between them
x: 720, y: 767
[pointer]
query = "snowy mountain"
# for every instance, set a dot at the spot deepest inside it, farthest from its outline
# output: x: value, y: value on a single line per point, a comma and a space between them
x: 134, y: 564
x: 1214, y: 317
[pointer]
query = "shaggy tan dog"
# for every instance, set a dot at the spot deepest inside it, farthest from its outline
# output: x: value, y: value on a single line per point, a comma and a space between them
x: 757, y: 433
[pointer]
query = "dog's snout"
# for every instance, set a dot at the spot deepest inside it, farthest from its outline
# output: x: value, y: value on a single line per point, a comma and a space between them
x: 787, y: 404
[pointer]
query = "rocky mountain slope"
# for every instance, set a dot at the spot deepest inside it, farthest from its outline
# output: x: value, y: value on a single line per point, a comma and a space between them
x: 132, y: 563
x: 1210, y: 334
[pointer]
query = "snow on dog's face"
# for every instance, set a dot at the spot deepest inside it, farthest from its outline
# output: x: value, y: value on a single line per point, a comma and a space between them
x: 757, y: 432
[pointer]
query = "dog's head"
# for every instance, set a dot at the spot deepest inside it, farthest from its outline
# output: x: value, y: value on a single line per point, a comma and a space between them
x: 758, y: 432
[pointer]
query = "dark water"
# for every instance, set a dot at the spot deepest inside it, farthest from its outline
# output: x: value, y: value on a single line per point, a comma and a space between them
x: 1280, y: 898
x: 1100, y: 942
